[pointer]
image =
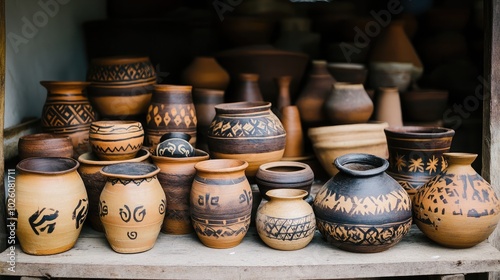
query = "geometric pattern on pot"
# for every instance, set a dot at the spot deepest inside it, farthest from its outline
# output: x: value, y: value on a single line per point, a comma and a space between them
x: 221, y: 228
x: 122, y: 72
x: 248, y: 127
x: 67, y: 115
x: 180, y: 115
x: 289, y: 229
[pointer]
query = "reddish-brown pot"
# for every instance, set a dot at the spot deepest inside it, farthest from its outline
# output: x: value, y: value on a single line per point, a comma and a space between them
x: 44, y: 145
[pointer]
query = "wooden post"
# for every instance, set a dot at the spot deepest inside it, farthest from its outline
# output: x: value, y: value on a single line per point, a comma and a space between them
x: 3, y: 228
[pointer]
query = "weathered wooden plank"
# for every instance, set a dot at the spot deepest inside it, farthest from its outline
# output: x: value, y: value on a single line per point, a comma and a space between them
x: 12, y: 134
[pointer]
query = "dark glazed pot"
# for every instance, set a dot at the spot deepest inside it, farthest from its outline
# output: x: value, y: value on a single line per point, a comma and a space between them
x: 284, y: 175
x: 362, y: 209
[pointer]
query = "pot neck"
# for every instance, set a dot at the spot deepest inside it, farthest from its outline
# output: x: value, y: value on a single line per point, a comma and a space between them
x: 286, y: 194
x: 361, y: 165
x: 459, y: 158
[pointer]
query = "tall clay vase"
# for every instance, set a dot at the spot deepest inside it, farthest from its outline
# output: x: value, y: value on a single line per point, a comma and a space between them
x: 171, y: 110
x: 283, y: 84
x: 247, y: 131
x: 348, y: 104
x: 221, y: 202
x: 362, y: 209
x: 294, y: 145
x: 132, y: 206
x: 457, y: 208
x: 204, y: 103
x: 176, y: 178
x: 67, y: 112
x: 51, y: 204
x: 246, y: 89
x: 205, y: 72
x: 388, y: 106
x: 416, y: 154
x: 286, y: 222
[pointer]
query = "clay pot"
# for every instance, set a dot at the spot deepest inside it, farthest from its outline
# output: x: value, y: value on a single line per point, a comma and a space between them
x: 391, y: 74
x: 284, y: 175
x: 416, y: 154
x: 286, y: 222
x: 132, y: 206
x: 205, y: 72
x: 116, y: 140
x: 176, y: 178
x: 221, y: 202
x: 174, y: 144
x: 204, y: 103
x: 248, y: 131
x: 90, y: 171
x: 424, y: 105
x: 294, y: 144
x: 247, y: 89
x: 457, y: 208
x: 121, y: 87
x: 67, y: 112
x: 348, y: 104
x: 283, y: 84
x: 51, y: 205
x: 352, y: 73
x: 362, y: 209
x: 388, y: 107
x: 44, y: 145
x: 171, y: 110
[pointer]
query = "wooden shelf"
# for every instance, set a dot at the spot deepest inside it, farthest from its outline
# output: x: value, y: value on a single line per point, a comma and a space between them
x: 185, y: 257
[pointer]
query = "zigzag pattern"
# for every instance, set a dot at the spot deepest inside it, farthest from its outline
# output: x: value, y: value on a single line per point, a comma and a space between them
x: 107, y: 150
x: 220, y: 231
x: 67, y: 115
x: 125, y: 72
x: 137, y: 182
x: 289, y: 229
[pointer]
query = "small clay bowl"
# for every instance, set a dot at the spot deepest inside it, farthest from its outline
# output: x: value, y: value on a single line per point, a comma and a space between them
x: 116, y: 139
x: 284, y: 174
x: 44, y: 145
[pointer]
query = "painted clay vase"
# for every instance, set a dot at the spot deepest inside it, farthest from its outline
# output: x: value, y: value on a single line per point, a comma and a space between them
x: 90, y: 171
x: 221, y: 202
x: 294, y: 144
x: 388, y: 106
x: 286, y: 222
x: 416, y: 154
x: 205, y: 72
x: 457, y: 208
x: 204, y: 103
x: 116, y: 139
x: 362, y: 209
x: 284, y: 175
x: 246, y: 89
x: 51, y: 205
x: 67, y: 112
x: 283, y: 84
x: 44, y: 145
x: 174, y: 144
x: 248, y: 131
x: 176, y: 178
x: 348, y: 104
x: 171, y: 110
x: 132, y: 206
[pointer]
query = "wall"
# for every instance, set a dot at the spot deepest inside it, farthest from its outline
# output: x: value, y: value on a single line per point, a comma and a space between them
x: 44, y: 42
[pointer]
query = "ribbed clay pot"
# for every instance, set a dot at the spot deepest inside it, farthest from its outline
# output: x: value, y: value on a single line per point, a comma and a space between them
x: 284, y: 175
x: 348, y: 104
x: 44, y: 145
x: 116, y: 139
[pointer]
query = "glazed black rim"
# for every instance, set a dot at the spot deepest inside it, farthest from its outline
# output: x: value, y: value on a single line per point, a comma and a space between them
x: 419, y: 132
x: 379, y: 164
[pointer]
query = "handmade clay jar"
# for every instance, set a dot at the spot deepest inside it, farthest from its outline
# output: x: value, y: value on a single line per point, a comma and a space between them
x: 44, y: 145
x: 67, y: 112
x: 284, y: 175
x: 176, y: 178
x: 362, y: 209
x: 204, y: 102
x: 171, y: 110
x: 174, y: 144
x: 221, y: 202
x: 348, y: 104
x: 205, y: 72
x: 416, y: 154
x: 116, y: 139
x: 90, y: 171
x: 388, y: 106
x: 248, y: 131
x: 246, y: 89
x: 121, y: 87
x: 457, y: 208
x: 286, y: 222
x: 51, y: 205
x: 132, y: 206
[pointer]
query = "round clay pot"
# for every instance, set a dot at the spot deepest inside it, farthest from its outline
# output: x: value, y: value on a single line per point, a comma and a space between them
x: 132, y: 206
x: 176, y: 178
x: 362, y: 209
x: 221, y: 202
x: 90, y: 171
x: 286, y: 222
x: 205, y: 72
x: 246, y: 89
x: 44, y: 145
x: 174, y: 144
x: 457, y: 208
x: 51, y: 205
x: 348, y: 104
x: 284, y: 175
x: 115, y: 139
x: 248, y: 131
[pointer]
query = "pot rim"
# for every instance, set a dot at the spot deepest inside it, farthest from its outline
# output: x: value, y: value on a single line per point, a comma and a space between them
x: 379, y: 164
x: 138, y: 170
x: 305, y: 173
x: 221, y: 165
x: 358, y: 127
x: 72, y: 163
x: 91, y: 159
x: 44, y: 136
x: 243, y: 107
x: 419, y: 132
x: 198, y: 156
x: 287, y: 194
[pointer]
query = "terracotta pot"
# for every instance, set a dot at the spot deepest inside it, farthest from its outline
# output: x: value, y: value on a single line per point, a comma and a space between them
x: 457, y: 208
x: 90, y: 171
x: 416, y: 154
x: 132, y: 206
x: 284, y: 175
x: 171, y: 110
x: 286, y: 222
x: 362, y: 209
x: 204, y: 103
x: 44, y: 145
x: 283, y: 84
x: 221, y: 202
x: 246, y: 89
x: 424, y: 105
x: 205, y: 72
x: 391, y: 74
x: 348, y: 104
x: 290, y: 118
x: 51, y: 205
x: 176, y: 178
x: 174, y: 144
x: 248, y: 131
x: 388, y: 106
x: 67, y: 112
x: 352, y: 73
x: 115, y: 139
